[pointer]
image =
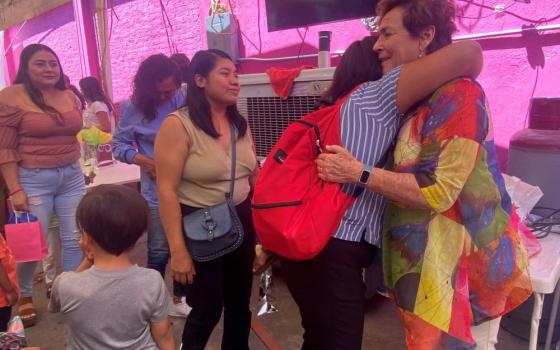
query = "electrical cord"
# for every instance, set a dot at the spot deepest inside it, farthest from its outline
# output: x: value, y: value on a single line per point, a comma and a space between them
x: 542, y: 226
x: 489, y: 15
x: 258, y: 48
x: 537, y: 21
x: 302, y: 41
x: 526, y: 122
x: 167, y: 22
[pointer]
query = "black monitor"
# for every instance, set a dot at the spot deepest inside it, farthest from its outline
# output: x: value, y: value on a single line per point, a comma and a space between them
x: 286, y: 14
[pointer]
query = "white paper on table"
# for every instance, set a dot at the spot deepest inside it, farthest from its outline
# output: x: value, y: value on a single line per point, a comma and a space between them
x: 523, y: 195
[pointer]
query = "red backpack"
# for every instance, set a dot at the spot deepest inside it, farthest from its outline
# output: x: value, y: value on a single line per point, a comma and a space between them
x: 295, y: 213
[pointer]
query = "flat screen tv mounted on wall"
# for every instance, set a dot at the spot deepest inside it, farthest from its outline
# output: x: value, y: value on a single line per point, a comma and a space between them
x: 286, y: 14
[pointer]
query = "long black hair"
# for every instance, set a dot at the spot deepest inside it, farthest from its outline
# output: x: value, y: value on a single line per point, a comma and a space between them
x: 199, y: 107
x: 152, y: 70
x: 358, y: 65
x: 23, y: 78
x: 91, y: 87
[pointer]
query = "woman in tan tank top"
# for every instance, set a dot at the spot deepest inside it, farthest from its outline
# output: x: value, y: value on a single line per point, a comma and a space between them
x: 193, y: 161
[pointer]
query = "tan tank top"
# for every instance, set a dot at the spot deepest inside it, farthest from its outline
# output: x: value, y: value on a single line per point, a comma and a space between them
x: 206, y: 172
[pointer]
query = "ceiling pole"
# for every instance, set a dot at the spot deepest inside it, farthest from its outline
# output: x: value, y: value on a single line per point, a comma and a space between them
x: 104, y: 47
x: 89, y: 60
x: 13, y: 12
x: 9, y: 57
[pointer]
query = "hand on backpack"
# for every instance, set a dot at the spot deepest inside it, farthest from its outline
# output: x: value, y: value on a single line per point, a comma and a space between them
x: 338, y: 165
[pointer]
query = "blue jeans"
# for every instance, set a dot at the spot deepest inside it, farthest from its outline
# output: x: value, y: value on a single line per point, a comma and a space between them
x: 60, y: 189
x: 158, y: 249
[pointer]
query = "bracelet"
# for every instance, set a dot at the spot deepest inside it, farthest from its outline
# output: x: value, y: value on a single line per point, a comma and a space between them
x: 20, y: 189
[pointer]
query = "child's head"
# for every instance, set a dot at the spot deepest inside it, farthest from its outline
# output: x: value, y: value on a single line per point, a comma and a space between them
x: 113, y: 216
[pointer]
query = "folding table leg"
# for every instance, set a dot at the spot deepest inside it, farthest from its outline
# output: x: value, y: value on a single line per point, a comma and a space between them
x: 535, y: 320
x: 552, y: 321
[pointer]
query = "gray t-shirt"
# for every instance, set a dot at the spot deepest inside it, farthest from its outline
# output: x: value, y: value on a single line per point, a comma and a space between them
x: 111, y: 309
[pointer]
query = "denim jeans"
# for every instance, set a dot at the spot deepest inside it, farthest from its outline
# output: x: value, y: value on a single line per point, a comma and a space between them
x: 59, y: 189
x: 49, y: 263
x: 158, y: 249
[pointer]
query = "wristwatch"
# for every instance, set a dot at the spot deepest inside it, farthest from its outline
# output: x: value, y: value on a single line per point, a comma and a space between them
x: 365, y: 175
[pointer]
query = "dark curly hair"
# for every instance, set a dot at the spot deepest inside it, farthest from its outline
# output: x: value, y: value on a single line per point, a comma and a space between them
x: 152, y: 70
x: 358, y: 65
x: 419, y: 14
x: 22, y: 77
x: 199, y: 109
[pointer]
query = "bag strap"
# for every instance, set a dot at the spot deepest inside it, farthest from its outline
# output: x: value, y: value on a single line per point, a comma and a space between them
x: 16, y: 214
x: 233, y: 129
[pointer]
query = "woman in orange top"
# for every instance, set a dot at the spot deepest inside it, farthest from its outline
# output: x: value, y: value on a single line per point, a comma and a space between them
x: 39, y: 152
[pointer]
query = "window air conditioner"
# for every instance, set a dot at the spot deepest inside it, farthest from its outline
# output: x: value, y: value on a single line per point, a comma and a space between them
x: 268, y: 114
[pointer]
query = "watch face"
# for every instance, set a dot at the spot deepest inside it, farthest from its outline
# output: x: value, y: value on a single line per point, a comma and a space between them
x: 364, y: 177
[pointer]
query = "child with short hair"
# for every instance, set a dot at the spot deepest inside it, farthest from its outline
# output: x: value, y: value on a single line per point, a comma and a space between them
x: 113, y: 304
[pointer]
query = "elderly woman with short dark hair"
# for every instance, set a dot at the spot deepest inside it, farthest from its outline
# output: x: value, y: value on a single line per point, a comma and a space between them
x: 329, y: 288
x: 451, y: 256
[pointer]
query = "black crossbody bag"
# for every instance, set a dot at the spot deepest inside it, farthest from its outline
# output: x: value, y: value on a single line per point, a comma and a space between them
x: 215, y: 231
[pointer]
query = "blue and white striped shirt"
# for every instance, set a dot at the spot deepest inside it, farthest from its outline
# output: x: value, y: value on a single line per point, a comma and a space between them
x: 369, y: 122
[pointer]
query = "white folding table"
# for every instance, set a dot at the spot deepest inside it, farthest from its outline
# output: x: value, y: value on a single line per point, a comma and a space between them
x: 545, y: 272
x: 117, y: 174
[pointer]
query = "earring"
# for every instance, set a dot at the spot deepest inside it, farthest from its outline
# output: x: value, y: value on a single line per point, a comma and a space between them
x: 421, y: 50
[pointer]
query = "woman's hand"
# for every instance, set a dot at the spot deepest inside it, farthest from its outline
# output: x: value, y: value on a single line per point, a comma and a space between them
x: 182, y: 267
x: 263, y: 260
x: 11, y: 296
x: 19, y: 201
x: 338, y: 165
x: 147, y: 164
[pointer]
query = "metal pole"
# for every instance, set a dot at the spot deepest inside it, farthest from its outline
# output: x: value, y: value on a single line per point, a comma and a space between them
x: 104, y: 47
x: 86, y: 38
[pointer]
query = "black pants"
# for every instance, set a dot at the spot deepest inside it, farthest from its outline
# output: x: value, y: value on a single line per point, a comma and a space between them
x: 329, y: 291
x: 224, y: 283
x: 5, y: 313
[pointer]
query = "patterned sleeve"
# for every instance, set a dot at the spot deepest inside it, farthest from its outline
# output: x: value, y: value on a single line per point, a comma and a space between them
x: 10, y: 118
x: 451, y: 138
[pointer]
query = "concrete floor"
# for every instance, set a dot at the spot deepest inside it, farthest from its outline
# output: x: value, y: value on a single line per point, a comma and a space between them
x: 382, y: 328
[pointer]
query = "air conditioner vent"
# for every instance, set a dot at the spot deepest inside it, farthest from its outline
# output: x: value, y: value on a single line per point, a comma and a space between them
x: 270, y: 116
